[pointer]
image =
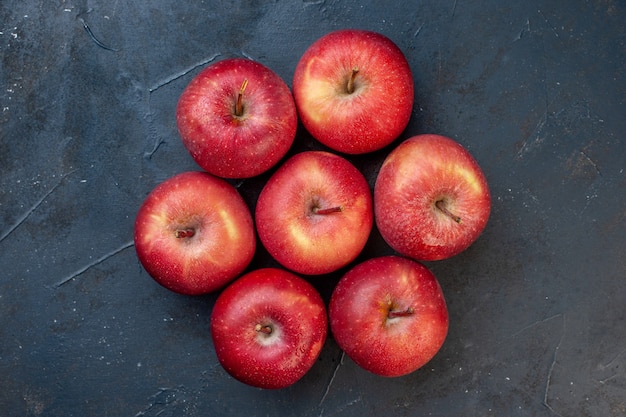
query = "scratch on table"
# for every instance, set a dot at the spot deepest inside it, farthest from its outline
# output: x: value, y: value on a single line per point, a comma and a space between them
x: 248, y: 56
x: 158, y: 141
x: 332, y: 378
x: 548, y: 23
x: 608, y: 365
x: 535, y: 138
x: 591, y: 161
x: 34, y: 207
x: 93, y: 37
x: 551, y: 370
x: 182, y: 73
x: 454, y: 7
x: 94, y: 263
x: 524, y: 31
x: 312, y: 3
x: 419, y: 29
x: 165, y: 398
x: 530, y: 326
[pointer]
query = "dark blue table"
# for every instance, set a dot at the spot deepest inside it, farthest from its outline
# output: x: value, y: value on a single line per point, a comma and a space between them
x: 536, y: 90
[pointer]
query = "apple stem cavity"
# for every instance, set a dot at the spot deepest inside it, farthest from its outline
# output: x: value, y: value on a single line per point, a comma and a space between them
x: 329, y: 210
x: 350, y: 86
x: 180, y: 234
x: 239, y: 104
x: 266, y: 329
x: 441, y: 205
x: 403, y: 313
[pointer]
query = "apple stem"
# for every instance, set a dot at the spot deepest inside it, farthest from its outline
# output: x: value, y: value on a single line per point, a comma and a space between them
x: 185, y: 233
x: 440, y: 204
x: 263, y: 329
x: 404, y: 313
x: 239, y: 105
x: 350, y: 86
x: 329, y: 210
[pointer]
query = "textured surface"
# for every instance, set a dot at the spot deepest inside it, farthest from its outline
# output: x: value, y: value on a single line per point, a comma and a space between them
x: 535, y: 90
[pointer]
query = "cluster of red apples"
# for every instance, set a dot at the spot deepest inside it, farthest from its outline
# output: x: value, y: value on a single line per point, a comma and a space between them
x: 194, y: 234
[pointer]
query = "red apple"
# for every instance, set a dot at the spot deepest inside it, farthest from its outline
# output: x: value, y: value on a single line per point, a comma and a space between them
x: 268, y: 328
x: 354, y: 91
x: 431, y: 199
x: 194, y: 233
x: 388, y: 314
x: 237, y: 118
x: 314, y: 215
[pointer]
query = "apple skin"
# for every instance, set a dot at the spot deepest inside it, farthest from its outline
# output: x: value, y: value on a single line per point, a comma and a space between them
x: 286, y: 304
x: 359, y: 315
x: 378, y: 109
x: 298, y: 236
x: 223, y: 241
x: 237, y: 146
x: 416, y: 175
